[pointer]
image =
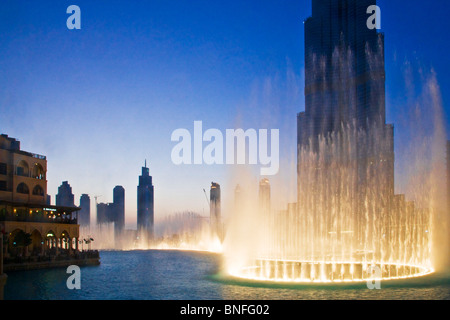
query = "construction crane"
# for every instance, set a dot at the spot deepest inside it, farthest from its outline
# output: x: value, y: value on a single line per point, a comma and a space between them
x: 207, y: 200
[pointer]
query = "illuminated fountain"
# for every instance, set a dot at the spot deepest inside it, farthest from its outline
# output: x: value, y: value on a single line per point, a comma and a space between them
x: 347, y: 224
x: 180, y: 231
x: 186, y: 231
x: 342, y: 229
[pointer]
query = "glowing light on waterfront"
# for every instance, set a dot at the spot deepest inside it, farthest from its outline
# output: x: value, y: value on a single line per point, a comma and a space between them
x: 186, y: 232
x: 328, y: 236
x: 291, y: 271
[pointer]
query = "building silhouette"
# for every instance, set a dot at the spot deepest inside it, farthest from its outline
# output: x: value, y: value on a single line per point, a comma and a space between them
x: 215, y: 209
x: 84, y: 215
x: 113, y: 212
x: 344, y: 119
x: 119, y: 209
x: 65, y: 196
x: 344, y: 69
x: 103, y: 215
x: 264, y: 217
x: 264, y: 196
x: 145, y: 205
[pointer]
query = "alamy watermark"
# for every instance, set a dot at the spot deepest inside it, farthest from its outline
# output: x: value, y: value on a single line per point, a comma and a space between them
x: 374, y: 21
x: 74, y: 20
x: 374, y: 282
x: 73, y: 281
x: 230, y: 148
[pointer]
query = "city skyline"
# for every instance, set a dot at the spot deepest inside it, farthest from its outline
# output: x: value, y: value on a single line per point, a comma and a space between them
x: 295, y: 150
x: 107, y: 106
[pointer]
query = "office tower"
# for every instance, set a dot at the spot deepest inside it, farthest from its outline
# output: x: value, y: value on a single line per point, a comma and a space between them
x: 65, y: 196
x: 344, y: 117
x: 113, y: 212
x: 344, y: 69
x: 145, y: 205
x: 264, y: 196
x: 264, y: 216
x: 84, y: 215
x: 119, y: 208
x: 103, y: 215
x: 215, y: 214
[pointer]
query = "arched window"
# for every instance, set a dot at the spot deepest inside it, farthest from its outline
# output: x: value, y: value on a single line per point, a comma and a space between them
x: 65, y: 234
x: 38, y: 191
x: 23, y: 169
x: 36, y: 241
x: 38, y: 172
x: 50, y: 234
x: 23, y: 188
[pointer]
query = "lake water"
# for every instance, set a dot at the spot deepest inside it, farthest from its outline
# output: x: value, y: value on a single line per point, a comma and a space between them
x: 189, y: 275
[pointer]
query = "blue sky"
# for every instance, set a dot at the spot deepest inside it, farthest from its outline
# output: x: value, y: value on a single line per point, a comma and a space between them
x: 100, y: 100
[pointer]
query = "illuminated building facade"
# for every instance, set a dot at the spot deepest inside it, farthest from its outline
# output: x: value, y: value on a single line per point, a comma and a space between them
x: 24, y: 211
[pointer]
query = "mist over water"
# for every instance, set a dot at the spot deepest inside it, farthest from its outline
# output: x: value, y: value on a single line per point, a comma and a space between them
x: 421, y: 152
x: 405, y: 237
x: 325, y: 226
x: 180, y: 231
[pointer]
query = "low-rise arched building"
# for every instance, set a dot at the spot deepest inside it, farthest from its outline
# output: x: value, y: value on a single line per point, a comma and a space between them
x: 31, y: 226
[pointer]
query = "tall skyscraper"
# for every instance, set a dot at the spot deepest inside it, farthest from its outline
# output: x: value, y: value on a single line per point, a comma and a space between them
x: 65, y: 197
x: 119, y: 209
x: 264, y: 196
x: 344, y: 69
x: 84, y: 215
x: 344, y: 117
x: 214, y: 210
x: 145, y: 205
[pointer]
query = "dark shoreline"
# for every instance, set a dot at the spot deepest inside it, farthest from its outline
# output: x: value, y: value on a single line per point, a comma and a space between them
x: 25, y: 266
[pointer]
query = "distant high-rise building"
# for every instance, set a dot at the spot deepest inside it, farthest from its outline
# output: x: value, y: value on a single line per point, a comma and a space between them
x: 264, y: 195
x: 65, y: 197
x: 215, y: 211
x: 103, y: 215
x: 113, y: 212
x: 84, y: 215
x: 145, y: 205
x: 264, y: 216
x: 119, y: 208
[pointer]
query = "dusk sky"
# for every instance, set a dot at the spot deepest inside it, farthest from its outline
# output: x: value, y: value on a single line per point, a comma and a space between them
x: 99, y: 101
